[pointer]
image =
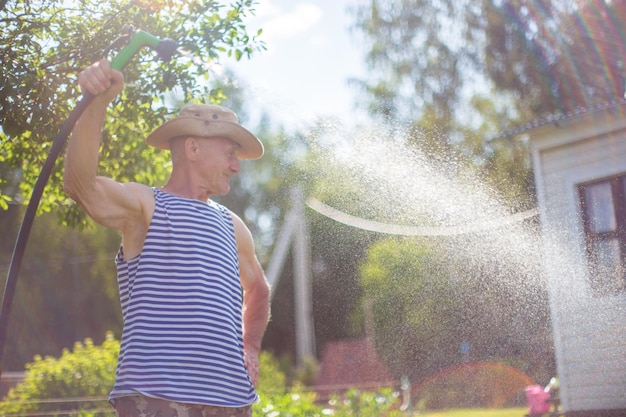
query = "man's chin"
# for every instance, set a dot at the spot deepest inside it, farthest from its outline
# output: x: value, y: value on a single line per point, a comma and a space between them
x: 223, y: 191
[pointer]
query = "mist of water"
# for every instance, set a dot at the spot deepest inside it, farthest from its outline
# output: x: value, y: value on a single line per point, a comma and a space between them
x: 390, y: 182
x: 497, y: 268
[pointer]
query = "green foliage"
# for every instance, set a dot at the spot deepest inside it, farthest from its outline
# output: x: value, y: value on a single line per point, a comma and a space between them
x: 569, y: 63
x: 271, y: 377
x: 299, y: 403
x: 45, y: 44
x: 425, y: 304
x: 414, y: 61
x: 295, y: 401
x: 503, y: 164
x: 67, y: 288
x: 427, y: 54
x: 276, y: 399
x: 307, y: 373
x: 406, y: 286
x: 87, y: 371
x: 358, y: 403
x: 288, y: 404
x: 478, y: 412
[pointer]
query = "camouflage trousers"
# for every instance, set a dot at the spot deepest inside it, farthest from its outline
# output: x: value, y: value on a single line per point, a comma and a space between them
x: 140, y: 406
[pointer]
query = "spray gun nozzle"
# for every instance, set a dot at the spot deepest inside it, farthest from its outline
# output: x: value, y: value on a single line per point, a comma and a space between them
x: 166, y: 49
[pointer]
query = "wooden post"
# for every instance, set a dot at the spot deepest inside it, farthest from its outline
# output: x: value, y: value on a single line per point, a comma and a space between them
x: 305, y: 339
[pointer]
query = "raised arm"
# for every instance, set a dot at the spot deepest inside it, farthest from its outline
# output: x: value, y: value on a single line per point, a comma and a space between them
x: 109, y: 203
x: 256, y: 298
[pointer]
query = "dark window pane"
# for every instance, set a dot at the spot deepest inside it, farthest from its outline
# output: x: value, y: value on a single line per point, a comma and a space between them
x: 607, y: 271
x: 600, y: 208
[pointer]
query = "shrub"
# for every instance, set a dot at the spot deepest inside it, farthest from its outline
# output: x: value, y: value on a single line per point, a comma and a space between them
x: 384, y: 402
x: 271, y: 378
x: 278, y: 400
x: 86, y: 372
x: 275, y: 398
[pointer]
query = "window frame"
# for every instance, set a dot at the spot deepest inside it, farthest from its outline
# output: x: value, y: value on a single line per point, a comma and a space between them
x: 615, y: 283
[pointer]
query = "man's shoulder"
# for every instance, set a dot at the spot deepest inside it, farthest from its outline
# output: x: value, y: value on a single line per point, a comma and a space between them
x: 145, y: 195
x: 140, y: 189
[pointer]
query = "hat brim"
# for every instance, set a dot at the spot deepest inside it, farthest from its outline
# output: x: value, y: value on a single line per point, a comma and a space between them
x: 250, y: 146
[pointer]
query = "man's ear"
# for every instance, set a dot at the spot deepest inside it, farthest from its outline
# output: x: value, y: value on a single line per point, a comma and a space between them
x: 191, y: 148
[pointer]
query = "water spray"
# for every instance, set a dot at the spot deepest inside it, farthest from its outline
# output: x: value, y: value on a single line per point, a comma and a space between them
x: 133, y: 40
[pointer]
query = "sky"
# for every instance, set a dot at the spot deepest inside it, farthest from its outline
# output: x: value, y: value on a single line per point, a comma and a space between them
x: 310, y: 56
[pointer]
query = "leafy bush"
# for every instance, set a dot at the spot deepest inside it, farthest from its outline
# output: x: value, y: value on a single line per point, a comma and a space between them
x: 287, y: 404
x: 300, y: 403
x: 271, y: 378
x: 87, y: 372
x: 366, y: 404
x: 279, y: 400
x: 276, y: 399
x: 85, y: 376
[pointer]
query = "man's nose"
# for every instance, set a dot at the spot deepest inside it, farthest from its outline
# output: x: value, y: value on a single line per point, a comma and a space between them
x: 235, y: 167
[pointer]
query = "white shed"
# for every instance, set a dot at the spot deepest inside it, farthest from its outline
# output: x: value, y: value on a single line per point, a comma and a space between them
x: 580, y: 176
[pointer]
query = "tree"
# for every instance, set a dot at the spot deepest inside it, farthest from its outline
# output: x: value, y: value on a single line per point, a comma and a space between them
x: 502, y: 164
x: 67, y: 289
x: 427, y: 75
x: 432, y: 63
x: 46, y: 43
x: 88, y: 372
x: 425, y: 301
x: 553, y: 56
x: 407, y: 288
x: 416, y: 58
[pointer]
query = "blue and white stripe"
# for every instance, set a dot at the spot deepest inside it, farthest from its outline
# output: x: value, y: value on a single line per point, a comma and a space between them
x: 181, y: 302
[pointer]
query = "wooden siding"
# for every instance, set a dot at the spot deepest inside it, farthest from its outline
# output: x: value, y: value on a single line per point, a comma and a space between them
x: 590, y: 332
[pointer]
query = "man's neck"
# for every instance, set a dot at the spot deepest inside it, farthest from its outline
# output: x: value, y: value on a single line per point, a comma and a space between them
x: 186, y: 191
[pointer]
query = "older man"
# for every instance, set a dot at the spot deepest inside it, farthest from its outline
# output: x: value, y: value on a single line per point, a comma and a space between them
x: 194, y: 297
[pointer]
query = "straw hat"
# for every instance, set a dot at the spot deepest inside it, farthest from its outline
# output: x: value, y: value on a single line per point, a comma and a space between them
x: 205, y: 120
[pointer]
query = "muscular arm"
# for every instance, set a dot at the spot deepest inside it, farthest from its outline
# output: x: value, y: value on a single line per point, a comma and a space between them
x: 256, y: 297
x: 108, y: 202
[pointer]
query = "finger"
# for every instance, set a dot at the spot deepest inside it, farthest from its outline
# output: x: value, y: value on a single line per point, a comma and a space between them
x: 252, y: 367
x: 247, y: 363
x: 100, y: 76
x: 254, y: 375
x: 117, y: 77
x: 92, y: 85
x: 88, y: 82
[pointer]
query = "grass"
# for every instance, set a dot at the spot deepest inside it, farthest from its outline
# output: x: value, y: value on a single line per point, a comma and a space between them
x: 476, y: 412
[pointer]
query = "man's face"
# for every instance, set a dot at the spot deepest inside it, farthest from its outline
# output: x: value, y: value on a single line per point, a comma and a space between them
x: 217, y: 162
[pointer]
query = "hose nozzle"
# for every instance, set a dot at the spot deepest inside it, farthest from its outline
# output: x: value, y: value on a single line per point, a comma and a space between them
x: 165, y: 48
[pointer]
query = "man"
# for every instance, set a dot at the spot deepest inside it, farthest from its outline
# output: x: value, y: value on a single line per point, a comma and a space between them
x: 194, y: 297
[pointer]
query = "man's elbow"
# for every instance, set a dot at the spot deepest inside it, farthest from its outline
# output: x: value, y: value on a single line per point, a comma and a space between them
x: 261, y: 292
x: 70, y: 187
x: 79, y: 190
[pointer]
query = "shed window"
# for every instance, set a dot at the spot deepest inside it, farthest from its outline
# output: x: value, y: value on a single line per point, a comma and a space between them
x: 604, y: 214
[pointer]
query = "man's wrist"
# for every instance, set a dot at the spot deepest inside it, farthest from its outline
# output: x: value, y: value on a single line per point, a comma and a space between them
x: 251, y: 347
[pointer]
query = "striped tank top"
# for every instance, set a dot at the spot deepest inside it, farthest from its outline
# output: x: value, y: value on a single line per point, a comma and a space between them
x: 181, y: 302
